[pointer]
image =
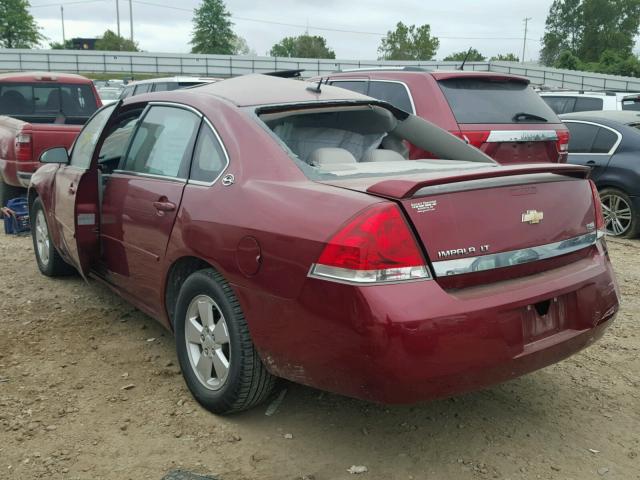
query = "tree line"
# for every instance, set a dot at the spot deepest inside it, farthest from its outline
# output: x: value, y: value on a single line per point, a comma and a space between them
x: 592, y: 35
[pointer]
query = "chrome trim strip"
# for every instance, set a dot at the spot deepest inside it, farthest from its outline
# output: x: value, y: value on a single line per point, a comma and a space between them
x: 615, y: 145
x: 226, y: 156
x: 522, y: 136
x: 176, y: 105
x: 492, y: 261
x: 149, y: 175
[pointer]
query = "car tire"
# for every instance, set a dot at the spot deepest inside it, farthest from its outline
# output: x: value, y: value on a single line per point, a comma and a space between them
x: 49, y: 261
x: 220, y: 363
x: 620, y: 215
x: 8, y: 192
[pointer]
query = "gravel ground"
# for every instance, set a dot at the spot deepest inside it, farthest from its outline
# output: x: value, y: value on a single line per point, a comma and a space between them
x: 90, y: 388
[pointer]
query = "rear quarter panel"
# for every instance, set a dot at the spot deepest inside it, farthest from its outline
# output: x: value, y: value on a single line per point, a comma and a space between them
x: 623, y: 173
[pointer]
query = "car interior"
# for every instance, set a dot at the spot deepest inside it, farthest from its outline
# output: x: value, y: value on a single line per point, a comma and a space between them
x: 364, y: 140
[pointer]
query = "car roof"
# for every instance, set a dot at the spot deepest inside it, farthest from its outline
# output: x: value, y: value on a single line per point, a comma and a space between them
x: 587, y: 93
x: 256, y: 89
x: 43, y: 77
x: 625, y: 117
x: 437, y: 74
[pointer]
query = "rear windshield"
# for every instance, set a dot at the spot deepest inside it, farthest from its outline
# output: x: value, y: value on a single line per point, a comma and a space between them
x: 477, y: 100
x: 47, y: 100
x: 365, y: 141
x: 631, y: 104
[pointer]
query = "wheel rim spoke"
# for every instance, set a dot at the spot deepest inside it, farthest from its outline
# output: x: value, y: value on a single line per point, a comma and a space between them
x: 193, y: 331
x: 204, y: 367
x: 220, y: 331
x: 205, y: 311
x: 220, y: 364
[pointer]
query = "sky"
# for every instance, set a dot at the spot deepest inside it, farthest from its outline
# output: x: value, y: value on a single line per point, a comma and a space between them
x: 353, y: 29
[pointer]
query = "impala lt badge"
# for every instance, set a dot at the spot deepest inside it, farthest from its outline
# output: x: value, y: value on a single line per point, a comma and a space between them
x: 532, y: 217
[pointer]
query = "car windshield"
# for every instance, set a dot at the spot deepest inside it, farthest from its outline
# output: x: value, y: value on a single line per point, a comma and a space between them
x: 483, y: 100
x: 46, y: 100
x: 349, y: 142
x: 110, y: 94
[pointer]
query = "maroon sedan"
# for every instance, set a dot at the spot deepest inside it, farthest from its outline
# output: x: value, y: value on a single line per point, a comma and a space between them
x: 279, y: 231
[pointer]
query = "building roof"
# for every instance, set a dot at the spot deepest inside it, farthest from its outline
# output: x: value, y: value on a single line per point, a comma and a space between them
x: 256, y: 89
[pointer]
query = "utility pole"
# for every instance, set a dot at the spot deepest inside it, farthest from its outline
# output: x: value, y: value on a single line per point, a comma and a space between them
x: 118, y: 15
x: 64, y: 39
x: 131, y: 18
x: 524, y: 43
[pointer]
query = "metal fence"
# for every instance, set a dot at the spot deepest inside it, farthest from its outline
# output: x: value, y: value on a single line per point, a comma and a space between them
x: 136, y: 63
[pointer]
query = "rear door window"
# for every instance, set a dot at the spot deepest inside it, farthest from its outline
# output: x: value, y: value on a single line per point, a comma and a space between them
x: 163, y: 143
x: 582, y: 137
x: 392, y: 92
x: 358, y: 86
x: 587, y: 104
x: 480, y: 100
x: 208, y: 158
x: 604, y: 141
x: 560, y: 104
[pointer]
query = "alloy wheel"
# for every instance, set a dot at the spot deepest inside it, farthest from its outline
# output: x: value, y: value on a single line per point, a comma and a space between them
x: 207, y: 339
x: 617, y: 214
x: 42, y: 238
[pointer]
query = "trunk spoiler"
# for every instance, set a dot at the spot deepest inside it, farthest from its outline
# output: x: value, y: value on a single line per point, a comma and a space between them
x: 407, y: 188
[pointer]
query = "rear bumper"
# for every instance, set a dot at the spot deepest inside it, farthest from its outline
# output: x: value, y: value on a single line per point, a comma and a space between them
x: 410, y: 342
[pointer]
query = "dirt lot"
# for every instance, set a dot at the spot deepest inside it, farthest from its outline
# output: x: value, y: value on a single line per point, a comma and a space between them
x: 90, y: 388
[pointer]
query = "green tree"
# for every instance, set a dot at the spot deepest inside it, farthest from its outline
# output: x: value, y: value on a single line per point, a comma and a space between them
x: 303, y: 46
x: 474, y: 56
x: 563, y: 30
x: 568, y: 61
x: 113, y: 42
x: 409, y: 43
x: 18, y: 29
x: 505, y: 57
x: 67, y: 45
x: 241, y: 47
x: 608, y: 25
x: 212, y: 31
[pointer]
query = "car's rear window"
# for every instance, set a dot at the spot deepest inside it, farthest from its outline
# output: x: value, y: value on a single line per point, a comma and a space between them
x: 24, y: 99
x: 631, y: 104
x: 477, y: 100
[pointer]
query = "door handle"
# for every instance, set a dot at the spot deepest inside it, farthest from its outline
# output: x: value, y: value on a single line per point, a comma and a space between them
x: 72, y: 189
x: 591, y: 163
x: 164, y: 206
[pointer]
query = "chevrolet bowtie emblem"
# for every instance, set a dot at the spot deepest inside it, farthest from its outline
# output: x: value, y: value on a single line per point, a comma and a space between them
x: 532, y: 216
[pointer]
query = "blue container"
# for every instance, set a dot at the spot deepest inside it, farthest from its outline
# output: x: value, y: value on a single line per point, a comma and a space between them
x: 19, y: 223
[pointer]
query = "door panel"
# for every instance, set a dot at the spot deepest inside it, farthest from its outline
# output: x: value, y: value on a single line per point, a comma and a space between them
x: 137, y: 219
x: 76, y: 196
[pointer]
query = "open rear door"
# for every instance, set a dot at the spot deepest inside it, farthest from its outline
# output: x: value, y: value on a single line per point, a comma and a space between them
x: 77, y: 194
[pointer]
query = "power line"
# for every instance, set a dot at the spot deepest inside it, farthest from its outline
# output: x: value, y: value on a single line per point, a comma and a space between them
x: 285, y: 24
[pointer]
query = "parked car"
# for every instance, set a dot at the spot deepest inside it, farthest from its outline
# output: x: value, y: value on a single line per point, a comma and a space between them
x: 261, y: 221
x: 164, y: 84
x: 38, y: 111
x: 498, y: 113
x: 109, y: 94
x: 582, y: 101
x: 609, y: 143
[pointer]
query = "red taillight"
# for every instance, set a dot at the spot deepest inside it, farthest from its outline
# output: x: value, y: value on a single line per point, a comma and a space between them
x: 474, y: 137
x: 24, y: 147
x: 562, y: 145
x: 597, y: 206
x: 375, y: 246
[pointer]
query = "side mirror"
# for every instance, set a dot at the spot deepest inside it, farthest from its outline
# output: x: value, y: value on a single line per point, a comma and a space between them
x: 55, y: 155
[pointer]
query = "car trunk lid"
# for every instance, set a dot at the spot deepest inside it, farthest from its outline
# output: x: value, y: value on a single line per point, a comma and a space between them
x: 473, y: 221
